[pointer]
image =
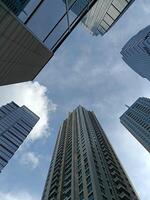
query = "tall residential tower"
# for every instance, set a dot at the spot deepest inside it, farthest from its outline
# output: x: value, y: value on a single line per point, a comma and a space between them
x: 15, y: 125
x: 137, y: 120
x: 84, y: 165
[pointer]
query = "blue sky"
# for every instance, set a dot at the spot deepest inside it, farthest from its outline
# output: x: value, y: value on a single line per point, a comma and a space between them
x: 89, y: 71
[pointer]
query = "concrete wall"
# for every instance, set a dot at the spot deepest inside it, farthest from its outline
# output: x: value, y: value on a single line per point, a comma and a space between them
x: 22, y: 55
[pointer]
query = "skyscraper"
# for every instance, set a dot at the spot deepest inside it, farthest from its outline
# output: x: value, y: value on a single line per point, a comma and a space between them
x: 29, y: 38
x: 15, y: 125
x: 103, y: 15
x: 136, y: 53
x: 84, y: 164
x: 137, y: 120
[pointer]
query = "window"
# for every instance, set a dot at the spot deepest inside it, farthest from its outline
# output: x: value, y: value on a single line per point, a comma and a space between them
x: 91, y: 197
x: 87, y: 172
x: 80, y: 179
x: 80, y: 172
x: 81, y: 196
x: 85, y: 160
x: 104, y: 198
x: 100, y: 180
x: 86, y: 165
x: 80, y: 187
x: 88, y: 180
x: 89, y: 188
x: 111, y: 191
x: 102, y: 189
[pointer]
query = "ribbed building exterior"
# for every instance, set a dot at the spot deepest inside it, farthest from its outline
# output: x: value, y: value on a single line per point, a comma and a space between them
x: 84, y: 165
x: 136, y: 53
x: 137, y: 120
x: 15, y: 125
x: 103, y: 15
x: 22, y: 55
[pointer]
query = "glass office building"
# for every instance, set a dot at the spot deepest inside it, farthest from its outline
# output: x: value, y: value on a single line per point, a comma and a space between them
x: 31, y: 36
x: 136, y: 53
x: 22, y: 54
x: 137, y: 120
x: 15, y: 125
x: 103, y: 15
x: 84, y: 164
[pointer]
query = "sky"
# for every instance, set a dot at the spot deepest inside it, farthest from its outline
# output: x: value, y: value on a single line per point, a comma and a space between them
x: 89, y: 71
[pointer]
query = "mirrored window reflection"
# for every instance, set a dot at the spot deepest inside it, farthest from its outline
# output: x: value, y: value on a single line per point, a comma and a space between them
x: 51, y: 20
x: 46, y: 17
x: 57, y: 33
x: 74, y: 9
x: 29, y: 8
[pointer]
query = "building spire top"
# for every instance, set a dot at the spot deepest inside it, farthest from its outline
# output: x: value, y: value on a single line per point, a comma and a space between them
x: 127, y: 106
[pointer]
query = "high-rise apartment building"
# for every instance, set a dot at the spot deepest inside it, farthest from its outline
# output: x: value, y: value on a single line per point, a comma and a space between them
x: 31, y: 32
x: 15, y: 125
x: 103, y: 15
x: 84, y: 164
x: 136, y: 53
x: 137, y: 120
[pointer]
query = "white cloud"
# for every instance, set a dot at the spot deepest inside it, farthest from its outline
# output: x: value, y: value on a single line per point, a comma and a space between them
x: 16, y: 196
x: 34, y: 96
x: 30, y: 159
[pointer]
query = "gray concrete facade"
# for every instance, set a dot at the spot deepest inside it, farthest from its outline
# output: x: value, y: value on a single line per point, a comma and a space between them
x: 22, y: 55
x: 84, y: 165
x: 137, y: 120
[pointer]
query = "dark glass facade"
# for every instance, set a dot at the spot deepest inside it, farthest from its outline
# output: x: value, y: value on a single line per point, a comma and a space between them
x: 15, y: 125
x: 51, y: 21
x: 84, y: 165
x: 28, y: 41
x: 137, y: 120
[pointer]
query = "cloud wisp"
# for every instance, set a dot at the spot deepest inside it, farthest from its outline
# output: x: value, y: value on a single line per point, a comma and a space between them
x: 30, y: 159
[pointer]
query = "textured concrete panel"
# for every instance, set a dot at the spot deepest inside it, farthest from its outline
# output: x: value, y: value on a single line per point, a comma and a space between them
x: 22, y: 55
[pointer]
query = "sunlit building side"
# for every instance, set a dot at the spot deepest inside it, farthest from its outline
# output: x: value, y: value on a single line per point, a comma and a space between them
x: 103, y: 15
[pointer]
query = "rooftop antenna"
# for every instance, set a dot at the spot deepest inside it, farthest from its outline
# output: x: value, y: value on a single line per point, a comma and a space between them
x: 127, y: 106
